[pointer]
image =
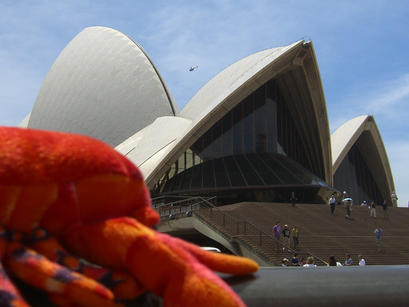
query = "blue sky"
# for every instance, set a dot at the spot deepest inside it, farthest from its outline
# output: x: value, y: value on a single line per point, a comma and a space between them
x: 362, y: 48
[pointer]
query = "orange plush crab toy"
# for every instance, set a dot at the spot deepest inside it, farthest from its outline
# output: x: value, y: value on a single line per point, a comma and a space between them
x: 66, y: 197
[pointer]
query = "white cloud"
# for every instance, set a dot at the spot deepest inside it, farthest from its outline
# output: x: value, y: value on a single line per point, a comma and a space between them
x: 386, y: 97
x: 211, y: 36
x: 387, y: 101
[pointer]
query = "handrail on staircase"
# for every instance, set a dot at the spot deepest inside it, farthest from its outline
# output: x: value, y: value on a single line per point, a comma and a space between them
x: 242, y: 228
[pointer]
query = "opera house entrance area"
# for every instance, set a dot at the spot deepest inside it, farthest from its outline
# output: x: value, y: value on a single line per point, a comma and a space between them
x: 254, y: 153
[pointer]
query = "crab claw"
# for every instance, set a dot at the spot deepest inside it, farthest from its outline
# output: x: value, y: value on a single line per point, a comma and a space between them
x: 176, y: 270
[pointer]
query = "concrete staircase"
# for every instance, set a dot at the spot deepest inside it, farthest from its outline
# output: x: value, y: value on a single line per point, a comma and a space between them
x: 321, y: 234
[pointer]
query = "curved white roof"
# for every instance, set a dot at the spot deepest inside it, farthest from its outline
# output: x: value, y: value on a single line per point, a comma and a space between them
x: 220, y: 95
x: 345, y: 137
x: 349, y: 133
x: 149, y: 146
x: 230, y: 79
x: 103, y: 85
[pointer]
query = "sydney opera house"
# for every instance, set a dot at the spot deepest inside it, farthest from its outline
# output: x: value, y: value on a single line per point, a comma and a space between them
x: 257, y: 131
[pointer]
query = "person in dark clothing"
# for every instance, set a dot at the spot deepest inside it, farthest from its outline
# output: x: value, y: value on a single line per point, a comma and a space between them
x: 295, y: 261
x: 332, y: 203
x: 332, y: 261
x: 378, y: 234
x: 385, y: 209
x: 286, y: 235
x: 293, y: 199
x: 348, y: 260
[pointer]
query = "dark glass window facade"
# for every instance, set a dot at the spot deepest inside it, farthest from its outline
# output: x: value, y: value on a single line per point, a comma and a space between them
x: 248, y: 128
x: 354, y: 176
x: 255, y: 145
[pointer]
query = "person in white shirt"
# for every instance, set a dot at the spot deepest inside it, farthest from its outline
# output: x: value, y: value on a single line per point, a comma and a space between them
x: 310, y: 263
x: 332, y: 202
x: 362, y: 261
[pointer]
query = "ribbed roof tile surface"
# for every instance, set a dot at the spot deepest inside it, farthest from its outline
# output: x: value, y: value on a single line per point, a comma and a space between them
x: 103, y: 85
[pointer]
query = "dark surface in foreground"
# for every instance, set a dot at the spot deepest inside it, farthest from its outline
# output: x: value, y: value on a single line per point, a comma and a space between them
x: 325, y: 286
x: 297, y: 286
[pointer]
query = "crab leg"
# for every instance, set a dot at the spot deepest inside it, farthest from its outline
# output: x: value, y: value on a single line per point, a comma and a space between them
x: 9, y: 296
x: 173, y: 270
x: 39, y: 272
x: 122, y: 284
x: 217, y: 262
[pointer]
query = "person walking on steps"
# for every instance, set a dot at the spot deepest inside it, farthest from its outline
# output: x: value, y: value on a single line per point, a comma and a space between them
x: 372, y: 209
x: 277, y: 233
x: 295, y: 234
x: 286, y: 235
x: 332, y: 201
x: 378, y: 235
x: 293, y: 199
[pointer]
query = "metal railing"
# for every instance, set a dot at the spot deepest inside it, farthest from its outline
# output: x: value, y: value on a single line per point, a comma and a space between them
x: 229, y: 226
x: 181, y: 206
x: 247, y: 233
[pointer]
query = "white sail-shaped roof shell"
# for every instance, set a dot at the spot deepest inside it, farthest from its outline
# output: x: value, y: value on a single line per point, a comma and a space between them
x: 373, y: 151
x: 230, y: 80
x: 103, y: 85
x: 219, y: 96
